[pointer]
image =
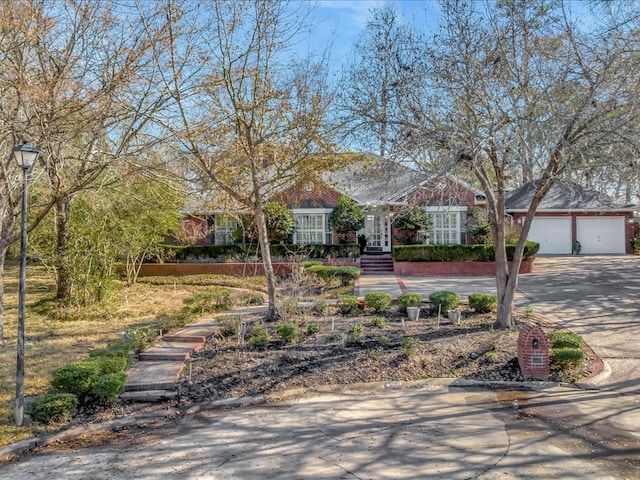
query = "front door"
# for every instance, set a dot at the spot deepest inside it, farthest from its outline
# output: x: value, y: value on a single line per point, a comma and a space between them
x: 377, y: 229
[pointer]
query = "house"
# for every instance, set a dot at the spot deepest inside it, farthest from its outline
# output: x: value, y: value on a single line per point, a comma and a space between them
x: 381, y: 187
x: 571, y: 213
x: 567, y: 214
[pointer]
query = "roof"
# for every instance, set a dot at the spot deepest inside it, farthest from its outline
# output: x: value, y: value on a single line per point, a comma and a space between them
x: 371, y: 179
x: 563, y: 196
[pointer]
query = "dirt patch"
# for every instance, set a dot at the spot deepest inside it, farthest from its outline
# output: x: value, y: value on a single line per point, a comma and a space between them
x: 332, y: 350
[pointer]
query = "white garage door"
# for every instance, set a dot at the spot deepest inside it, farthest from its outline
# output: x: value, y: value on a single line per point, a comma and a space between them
x: 552, y: 233
x: 601, y: 234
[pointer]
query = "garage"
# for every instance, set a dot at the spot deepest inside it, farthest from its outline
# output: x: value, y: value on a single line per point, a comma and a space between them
x: 553, y: 234
x: 604, y: 234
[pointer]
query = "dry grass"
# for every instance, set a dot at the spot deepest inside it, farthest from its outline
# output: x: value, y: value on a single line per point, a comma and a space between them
x: 53, y: 338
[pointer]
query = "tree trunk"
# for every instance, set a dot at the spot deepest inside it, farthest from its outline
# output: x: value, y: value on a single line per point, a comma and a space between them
x: 63, y: 274
x: 504, y: 283
x: 3, y: 254
x: 263, y: 239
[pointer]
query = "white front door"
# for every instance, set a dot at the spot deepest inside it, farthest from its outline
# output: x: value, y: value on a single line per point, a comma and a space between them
x: 377, y: 229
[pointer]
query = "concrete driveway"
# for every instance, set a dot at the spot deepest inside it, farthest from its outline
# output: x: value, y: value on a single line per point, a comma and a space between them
x: 407, y: 432
x: 598, y: 298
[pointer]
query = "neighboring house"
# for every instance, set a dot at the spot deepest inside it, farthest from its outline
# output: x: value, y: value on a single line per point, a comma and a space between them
x: 570, y: 213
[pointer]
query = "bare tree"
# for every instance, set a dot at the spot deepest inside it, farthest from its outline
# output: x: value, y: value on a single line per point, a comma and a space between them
x: 83, y: 83
x: 251, y: 116
x: 515, y: 91
x: 386, y: 64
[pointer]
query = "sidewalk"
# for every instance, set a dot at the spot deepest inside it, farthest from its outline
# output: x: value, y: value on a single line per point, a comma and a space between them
x: 154, y: 375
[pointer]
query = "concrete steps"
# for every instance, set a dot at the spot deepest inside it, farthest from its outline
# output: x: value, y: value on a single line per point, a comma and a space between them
x: 154, y: 376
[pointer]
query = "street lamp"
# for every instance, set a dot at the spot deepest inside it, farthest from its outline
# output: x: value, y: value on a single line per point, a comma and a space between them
x: 25, y: 156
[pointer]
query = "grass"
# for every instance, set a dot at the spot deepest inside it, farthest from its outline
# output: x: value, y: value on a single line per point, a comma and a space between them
x: 54, y: 338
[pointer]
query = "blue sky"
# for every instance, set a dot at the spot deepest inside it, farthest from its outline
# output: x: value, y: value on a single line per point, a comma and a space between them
x: 343, y: 21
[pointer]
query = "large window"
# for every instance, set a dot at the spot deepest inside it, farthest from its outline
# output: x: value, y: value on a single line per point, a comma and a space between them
x: 448, y: 225
x: 309, y: 227
x: 225, y: 225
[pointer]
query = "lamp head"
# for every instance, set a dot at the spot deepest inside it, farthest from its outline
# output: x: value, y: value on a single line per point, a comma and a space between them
x: 25, y: 155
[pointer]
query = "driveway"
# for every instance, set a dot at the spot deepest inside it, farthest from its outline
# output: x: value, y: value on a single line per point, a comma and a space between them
x: 598, y: 298
x: 406, y: 432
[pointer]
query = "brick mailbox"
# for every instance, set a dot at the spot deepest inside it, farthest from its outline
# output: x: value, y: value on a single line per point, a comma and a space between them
x: 533, y: 352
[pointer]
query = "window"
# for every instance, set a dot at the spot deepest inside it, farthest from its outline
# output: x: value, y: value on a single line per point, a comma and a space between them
x: 447, y: 225
x: 225, y: 225
x: 309, y: 228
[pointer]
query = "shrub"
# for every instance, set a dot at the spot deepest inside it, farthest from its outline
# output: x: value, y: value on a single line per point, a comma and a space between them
x: 259, y: 337
x: 310, y: 263
x: 408, y: 299
x: 290, y: 306
x: 379, y: 322
x: 250, y: 298
x: 348, y: 304
x: 347, y: 216
x: 76, y: 378
x: 353, y: 334
x: 345, y: 275
x: 383, y: 340
x: 565, y: 340
x: 321, y: 307
x: 229, y: 325
x: 566, y: 358
x: 378, y: 301
x: 410, y: 346
x: 288, y: 331
x: 445, y: 300
x: 110, y: 364
x: 458, y: 253
x: 313, y: 328
x: 106, y: 388
x: 210, y: 302
x: 54, y: 408
x: 483, y: 302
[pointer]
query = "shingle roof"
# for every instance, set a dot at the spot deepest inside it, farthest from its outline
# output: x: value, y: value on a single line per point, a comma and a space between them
x: 375, y: 180
x: 563, y: 195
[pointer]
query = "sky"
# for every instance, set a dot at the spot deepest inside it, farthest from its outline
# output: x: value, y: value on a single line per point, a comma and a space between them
x: 341, y: 22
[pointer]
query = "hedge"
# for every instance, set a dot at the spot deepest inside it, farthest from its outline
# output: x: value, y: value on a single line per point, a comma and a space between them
x: 346, y: 275
x: 221, y: 253
x: 458, y: 253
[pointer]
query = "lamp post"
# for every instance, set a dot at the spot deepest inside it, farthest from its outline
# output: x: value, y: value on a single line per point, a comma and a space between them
x: 25, y: 156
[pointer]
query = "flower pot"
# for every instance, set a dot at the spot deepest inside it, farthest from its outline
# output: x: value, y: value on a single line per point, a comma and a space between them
x: 413, y: 313
x: 454, y: 316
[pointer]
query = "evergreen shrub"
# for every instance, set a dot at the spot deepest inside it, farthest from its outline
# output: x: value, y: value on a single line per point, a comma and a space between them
x: 483, y: 302
x: 379, y: 302
x: 444, y: 300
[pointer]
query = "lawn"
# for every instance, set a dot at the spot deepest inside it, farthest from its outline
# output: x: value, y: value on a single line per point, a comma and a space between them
x: 54, y: 338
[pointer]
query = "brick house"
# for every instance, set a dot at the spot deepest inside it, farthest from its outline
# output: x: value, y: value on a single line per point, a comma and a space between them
x: 567, y: 214
x: 381, y: 187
